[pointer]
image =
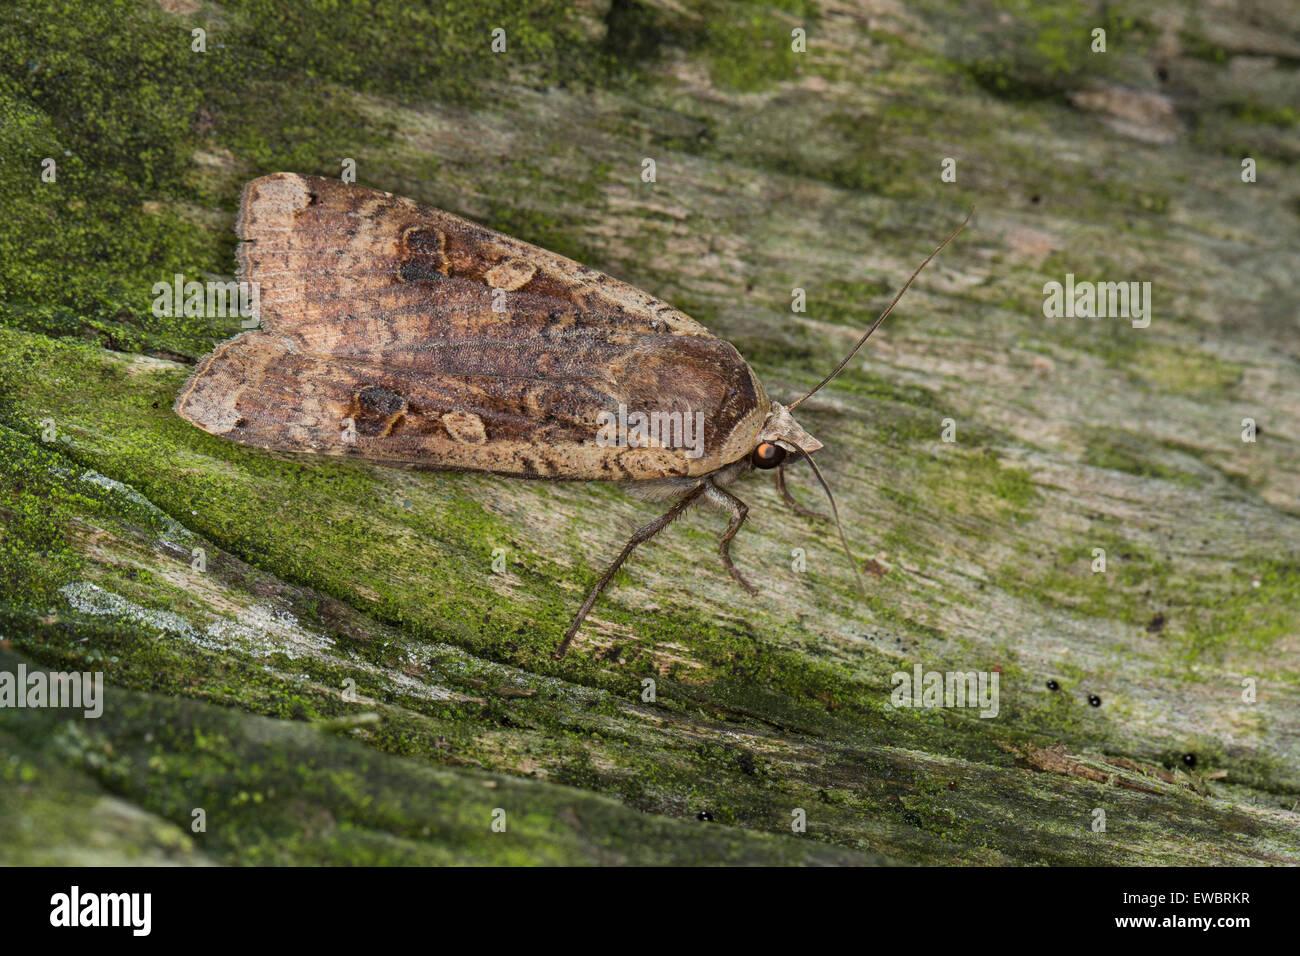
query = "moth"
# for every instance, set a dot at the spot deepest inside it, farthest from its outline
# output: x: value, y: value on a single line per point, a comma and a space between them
x: 399, y: 334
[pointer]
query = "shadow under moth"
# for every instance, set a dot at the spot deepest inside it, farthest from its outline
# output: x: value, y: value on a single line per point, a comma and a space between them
x: 402, y: 335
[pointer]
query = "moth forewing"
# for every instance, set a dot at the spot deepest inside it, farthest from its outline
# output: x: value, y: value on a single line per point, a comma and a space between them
x: 383, y: 338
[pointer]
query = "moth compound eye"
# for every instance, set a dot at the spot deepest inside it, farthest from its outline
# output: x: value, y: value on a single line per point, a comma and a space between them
x: 767, y: 455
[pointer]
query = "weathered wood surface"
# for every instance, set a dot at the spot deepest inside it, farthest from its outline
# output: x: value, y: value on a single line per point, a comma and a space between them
x: 775, y: 170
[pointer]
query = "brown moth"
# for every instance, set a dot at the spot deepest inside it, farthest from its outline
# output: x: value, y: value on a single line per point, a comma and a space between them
x: 403, y: 335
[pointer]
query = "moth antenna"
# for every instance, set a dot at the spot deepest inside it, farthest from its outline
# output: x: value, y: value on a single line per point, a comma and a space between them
x: 876, y: 324
x: 838, y: 527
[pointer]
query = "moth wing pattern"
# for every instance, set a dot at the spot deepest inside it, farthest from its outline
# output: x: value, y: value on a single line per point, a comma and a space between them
x: 400, y: 333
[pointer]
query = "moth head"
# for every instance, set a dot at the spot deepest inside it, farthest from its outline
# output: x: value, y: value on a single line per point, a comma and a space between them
x: 780, y: 438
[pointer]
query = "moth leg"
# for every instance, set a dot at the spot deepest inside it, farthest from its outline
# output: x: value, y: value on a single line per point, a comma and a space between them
x: 641, y: 536
x: 789, y: 498
x: 739, y: 512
